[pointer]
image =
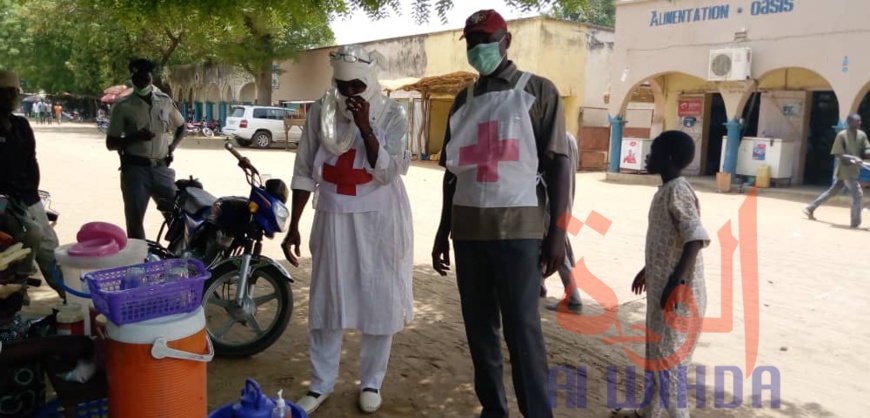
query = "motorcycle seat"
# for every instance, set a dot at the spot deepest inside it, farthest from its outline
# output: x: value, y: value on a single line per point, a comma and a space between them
x: 197, y: 200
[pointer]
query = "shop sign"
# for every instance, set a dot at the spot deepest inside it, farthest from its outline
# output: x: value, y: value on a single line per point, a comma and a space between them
x: 690, y: 107
x: 718, y: 12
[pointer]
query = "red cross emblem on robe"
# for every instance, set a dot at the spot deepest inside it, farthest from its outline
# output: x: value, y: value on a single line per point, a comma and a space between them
x: 344, y: 176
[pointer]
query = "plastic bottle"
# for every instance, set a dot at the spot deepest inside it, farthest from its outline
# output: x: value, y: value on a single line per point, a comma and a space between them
x: 70, y: 320
x: 280, y: 410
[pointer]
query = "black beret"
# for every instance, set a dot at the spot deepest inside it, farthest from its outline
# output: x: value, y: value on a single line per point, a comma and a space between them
x: 141, y: 64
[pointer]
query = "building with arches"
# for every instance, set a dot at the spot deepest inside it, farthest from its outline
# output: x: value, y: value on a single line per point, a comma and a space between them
x: 575, y: 56
x: 207, y: 90
x: 807, y: 71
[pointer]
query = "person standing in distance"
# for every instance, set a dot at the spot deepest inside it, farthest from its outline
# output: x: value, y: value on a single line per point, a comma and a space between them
x: 506, y: 133
x: 850, y: 148
x: 139, y: 130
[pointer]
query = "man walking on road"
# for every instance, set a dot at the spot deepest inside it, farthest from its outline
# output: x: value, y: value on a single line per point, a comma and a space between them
x: 850, y: 148
x: 139, y: 129
x: 570, y: 301
x: 506, y: 133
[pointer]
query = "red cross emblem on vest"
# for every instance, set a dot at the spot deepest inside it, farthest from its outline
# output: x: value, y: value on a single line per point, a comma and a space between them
x: 488, y: 152
x: 344, y: 176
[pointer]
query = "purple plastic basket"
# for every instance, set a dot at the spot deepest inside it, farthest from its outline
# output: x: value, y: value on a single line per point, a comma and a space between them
x: 149, y: 301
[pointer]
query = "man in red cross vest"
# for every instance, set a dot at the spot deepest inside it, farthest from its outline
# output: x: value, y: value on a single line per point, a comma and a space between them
x: 352, y: 154
x: 505, y: 135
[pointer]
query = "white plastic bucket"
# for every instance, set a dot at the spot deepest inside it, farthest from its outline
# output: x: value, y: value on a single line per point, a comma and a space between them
x: 73, y: 268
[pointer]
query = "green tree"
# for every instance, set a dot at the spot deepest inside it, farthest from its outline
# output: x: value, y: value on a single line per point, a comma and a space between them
x: 82, y: 46
x: 596, y: 12
x: 256, y: 38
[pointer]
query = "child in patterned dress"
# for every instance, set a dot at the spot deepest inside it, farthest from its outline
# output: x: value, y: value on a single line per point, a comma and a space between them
x: 673, y: 277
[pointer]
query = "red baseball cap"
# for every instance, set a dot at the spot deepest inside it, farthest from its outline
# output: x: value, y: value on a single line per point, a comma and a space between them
x: 485, y: 21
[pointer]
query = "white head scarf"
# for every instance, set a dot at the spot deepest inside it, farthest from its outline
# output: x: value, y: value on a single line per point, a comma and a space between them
x: 334, y: 109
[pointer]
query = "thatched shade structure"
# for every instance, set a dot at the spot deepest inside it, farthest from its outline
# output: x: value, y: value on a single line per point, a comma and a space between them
x: 440, y: 86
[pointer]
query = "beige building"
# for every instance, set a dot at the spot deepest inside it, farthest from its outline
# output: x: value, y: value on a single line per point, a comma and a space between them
x: 781, y: 73
x: 425, y: 71
x: 576, y: 57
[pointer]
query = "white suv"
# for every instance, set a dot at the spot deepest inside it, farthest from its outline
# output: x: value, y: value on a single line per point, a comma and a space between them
x: 260, y: 126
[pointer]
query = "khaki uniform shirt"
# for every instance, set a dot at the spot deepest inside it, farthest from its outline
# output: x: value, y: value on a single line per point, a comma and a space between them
x: 849, y: 144
x: 132, y: 114
x: 548, y: 124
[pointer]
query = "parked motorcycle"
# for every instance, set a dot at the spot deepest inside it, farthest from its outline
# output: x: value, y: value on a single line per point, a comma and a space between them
x: 215, y: 127
x: 196, y: 128
x: 103, y: 125
x: 226, y: 234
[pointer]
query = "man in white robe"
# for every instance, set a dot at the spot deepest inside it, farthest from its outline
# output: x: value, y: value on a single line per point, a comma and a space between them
x: 352, y: 155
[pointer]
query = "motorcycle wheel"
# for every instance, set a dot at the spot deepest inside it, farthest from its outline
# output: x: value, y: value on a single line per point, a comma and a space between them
x: 207, y: 132
x: 224, y: 315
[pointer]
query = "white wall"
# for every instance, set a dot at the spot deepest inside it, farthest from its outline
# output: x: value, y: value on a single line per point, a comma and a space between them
x: 599, y: 54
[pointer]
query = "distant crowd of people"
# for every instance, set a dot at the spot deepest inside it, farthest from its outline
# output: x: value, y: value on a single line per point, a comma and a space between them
x: 44, y: 112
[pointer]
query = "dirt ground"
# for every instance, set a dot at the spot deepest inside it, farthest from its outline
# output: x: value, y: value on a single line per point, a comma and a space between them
x: 812, y: 286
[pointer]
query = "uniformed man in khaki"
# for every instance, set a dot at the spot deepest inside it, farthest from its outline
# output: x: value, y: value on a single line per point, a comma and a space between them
x: 146, y: 127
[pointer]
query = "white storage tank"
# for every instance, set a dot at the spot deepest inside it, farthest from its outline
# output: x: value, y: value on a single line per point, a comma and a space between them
x: 74, y: 267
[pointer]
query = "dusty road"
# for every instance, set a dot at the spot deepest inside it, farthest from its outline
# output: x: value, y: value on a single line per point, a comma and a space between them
x: 812, y: 300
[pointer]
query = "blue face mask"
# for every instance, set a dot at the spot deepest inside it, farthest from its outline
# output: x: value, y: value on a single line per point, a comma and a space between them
x: 485, y: 58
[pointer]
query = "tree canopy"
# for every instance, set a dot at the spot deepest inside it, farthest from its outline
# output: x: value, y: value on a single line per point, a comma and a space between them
x: 596, y: 12
x: 83, y: 46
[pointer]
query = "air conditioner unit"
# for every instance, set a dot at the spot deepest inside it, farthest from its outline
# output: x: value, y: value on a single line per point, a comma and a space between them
x: 732, y: 64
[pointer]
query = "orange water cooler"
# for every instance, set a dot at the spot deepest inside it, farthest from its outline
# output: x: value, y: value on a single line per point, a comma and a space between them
x: 157, y: 368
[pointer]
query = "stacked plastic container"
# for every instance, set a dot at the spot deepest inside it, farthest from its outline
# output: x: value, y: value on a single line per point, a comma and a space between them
x: 157, y: 348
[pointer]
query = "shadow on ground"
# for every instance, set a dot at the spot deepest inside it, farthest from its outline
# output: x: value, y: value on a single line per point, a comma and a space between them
x: 430, y: 371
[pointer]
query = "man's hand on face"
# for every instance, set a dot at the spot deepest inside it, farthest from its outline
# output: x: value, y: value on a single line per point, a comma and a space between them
x: 359, y: 107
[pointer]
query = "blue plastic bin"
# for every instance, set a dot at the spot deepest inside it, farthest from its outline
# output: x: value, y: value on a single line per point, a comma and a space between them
x: 92, y: 409
x: 226, y: 411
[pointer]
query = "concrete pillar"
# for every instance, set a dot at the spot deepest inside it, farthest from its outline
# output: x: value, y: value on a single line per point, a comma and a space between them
x: 222, y: 113
x: 617, y: 125
x: 209, y: 111
x: 735, y: 131
x: 197, y: 111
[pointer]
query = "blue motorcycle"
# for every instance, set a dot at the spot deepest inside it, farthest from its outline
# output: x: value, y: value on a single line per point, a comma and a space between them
x: 227, y: 234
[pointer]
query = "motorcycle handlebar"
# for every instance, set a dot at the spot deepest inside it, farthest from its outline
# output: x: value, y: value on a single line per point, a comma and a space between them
x: 243, y: 161
x: 233, y: 151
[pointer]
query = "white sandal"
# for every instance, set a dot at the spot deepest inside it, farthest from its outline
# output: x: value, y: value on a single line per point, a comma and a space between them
x: 311, y: 401
x: 370, y: 400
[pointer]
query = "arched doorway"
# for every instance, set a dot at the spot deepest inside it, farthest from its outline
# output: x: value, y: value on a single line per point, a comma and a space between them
x: 212, y: 98
x: 248, y: 93
x: 681, y: 102
x: 798, y: 104
x: 717, y: 131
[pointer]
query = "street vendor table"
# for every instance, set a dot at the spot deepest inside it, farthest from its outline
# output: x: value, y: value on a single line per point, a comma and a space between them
x: 289, y: 123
